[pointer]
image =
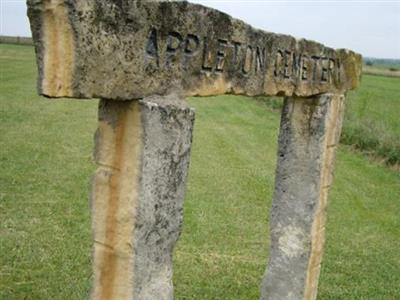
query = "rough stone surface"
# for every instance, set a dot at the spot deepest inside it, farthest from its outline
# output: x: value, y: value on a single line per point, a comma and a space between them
x: 128, y: 49
x: 310, y: 130
x: 142, y: 152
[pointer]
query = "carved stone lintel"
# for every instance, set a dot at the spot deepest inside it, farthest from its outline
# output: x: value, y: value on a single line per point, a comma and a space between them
x: 124, y: 50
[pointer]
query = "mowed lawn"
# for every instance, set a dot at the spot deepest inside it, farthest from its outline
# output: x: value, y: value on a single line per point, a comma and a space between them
x: 372, y: 119
x: 46, y: 165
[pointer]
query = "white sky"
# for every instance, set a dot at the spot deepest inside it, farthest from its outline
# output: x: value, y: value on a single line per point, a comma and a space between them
x: 371, y: 28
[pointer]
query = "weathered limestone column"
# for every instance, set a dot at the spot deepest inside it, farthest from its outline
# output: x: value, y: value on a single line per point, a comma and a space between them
x: 310, y: 130
x: 142, y: 153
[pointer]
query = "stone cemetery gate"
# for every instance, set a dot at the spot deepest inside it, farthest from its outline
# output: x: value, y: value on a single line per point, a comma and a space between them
x: 142, y: 58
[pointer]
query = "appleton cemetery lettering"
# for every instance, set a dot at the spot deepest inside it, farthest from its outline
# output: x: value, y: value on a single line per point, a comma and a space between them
x: 161, y: 47
x: 219, y: 55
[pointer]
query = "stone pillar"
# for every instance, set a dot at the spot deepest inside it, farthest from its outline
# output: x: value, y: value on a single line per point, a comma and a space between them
x: 309, y: 133
x: 142, y: 152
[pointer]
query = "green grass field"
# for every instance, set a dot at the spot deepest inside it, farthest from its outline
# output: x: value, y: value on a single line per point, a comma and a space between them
x: 381, y: 71
x: 372, y: 119
x: 46, y: 165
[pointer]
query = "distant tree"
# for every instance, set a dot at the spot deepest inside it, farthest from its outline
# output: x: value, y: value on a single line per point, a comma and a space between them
x: 369, y: 63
